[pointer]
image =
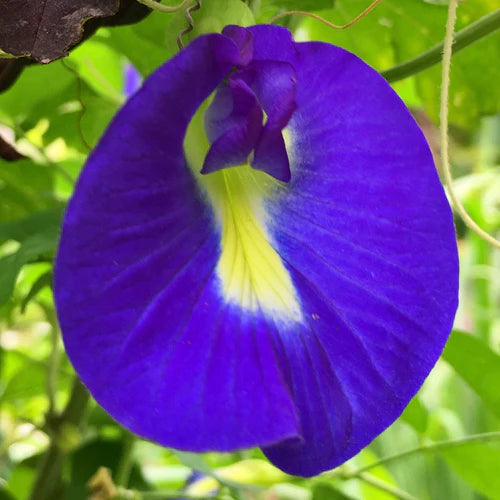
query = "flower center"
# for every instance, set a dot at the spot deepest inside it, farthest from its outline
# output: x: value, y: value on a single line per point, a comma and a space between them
x: 251, y: 271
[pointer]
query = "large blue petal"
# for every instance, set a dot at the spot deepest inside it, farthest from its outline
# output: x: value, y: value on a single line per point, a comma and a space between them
x: 367, y: 235
x: 137, y: 293
x: 236, y: 310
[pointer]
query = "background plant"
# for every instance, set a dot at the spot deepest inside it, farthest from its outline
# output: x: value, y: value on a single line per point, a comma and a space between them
x: 53, y: 437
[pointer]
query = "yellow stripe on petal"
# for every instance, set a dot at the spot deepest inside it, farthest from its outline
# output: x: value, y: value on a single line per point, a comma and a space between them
x: 252, y: 273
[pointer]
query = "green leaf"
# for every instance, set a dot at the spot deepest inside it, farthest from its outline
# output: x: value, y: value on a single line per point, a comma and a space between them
x: 85, y: 461
x: 269, y: 8
x: 147, y: 37
x: 252, y: 471
x: 101, y: 68
x: 21, y: 481
x: 326, y: 491
x: 44, y: 280
x: 308, y: 5
x: 36, y: 85
x: 98, y: 114
x: 477, y: 464
x: 35, y: 241
x: 5, y: 495
x: 19, y: 230
x: 211, y: 18
x: 197, y: 462
x: 477, y: 364
x: 194, y: 461
x: 69, y: 123
x: 393, y: 33
x: 19, y: 198
x: 416, y: 415
x: 25, y: 384
x: 367, y: 457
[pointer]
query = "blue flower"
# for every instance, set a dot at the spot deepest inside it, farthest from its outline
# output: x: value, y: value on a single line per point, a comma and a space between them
x: 258, y: 253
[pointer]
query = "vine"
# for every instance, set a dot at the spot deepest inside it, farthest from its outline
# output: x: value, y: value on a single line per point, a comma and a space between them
x: 443, y: 117
x: 323, y: 20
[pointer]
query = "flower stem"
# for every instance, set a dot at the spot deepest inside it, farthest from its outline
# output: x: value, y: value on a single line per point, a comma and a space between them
x: 463, y: 38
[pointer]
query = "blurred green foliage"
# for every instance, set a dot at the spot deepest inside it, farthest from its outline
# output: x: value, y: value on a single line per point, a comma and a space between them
x: 54, y: 112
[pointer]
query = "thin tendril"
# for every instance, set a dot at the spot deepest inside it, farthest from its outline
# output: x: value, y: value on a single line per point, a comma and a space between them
x: 190, y: 21
x: 152, y: 4
x: 443, y: 118
x: 79, y: 98
x: 324, y: 21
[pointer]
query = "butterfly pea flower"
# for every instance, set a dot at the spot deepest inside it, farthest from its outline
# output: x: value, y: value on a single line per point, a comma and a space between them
x: 258, y: 253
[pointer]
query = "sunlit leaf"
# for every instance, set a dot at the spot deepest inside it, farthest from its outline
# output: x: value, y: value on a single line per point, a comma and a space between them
x: 477, y: 464
x: 308, y: 5
x: 19, y: 198
x: 194, y: 461
x: 35, y: 241
x: 211, y: 18
x: 21, y: 481
x: 26, y: 383
x: 36, y: 85
x: 478, y: 365
x: 326, y: 491
x: 101, y: 68
x: 416, y: 415
x: 44, y: 280
x: 98, y: 113
x: 21, y: 229
x: 147, y: 37
x: 395, y: 32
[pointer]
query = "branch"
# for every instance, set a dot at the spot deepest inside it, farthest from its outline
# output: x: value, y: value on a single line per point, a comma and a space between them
x: 48, y: 480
